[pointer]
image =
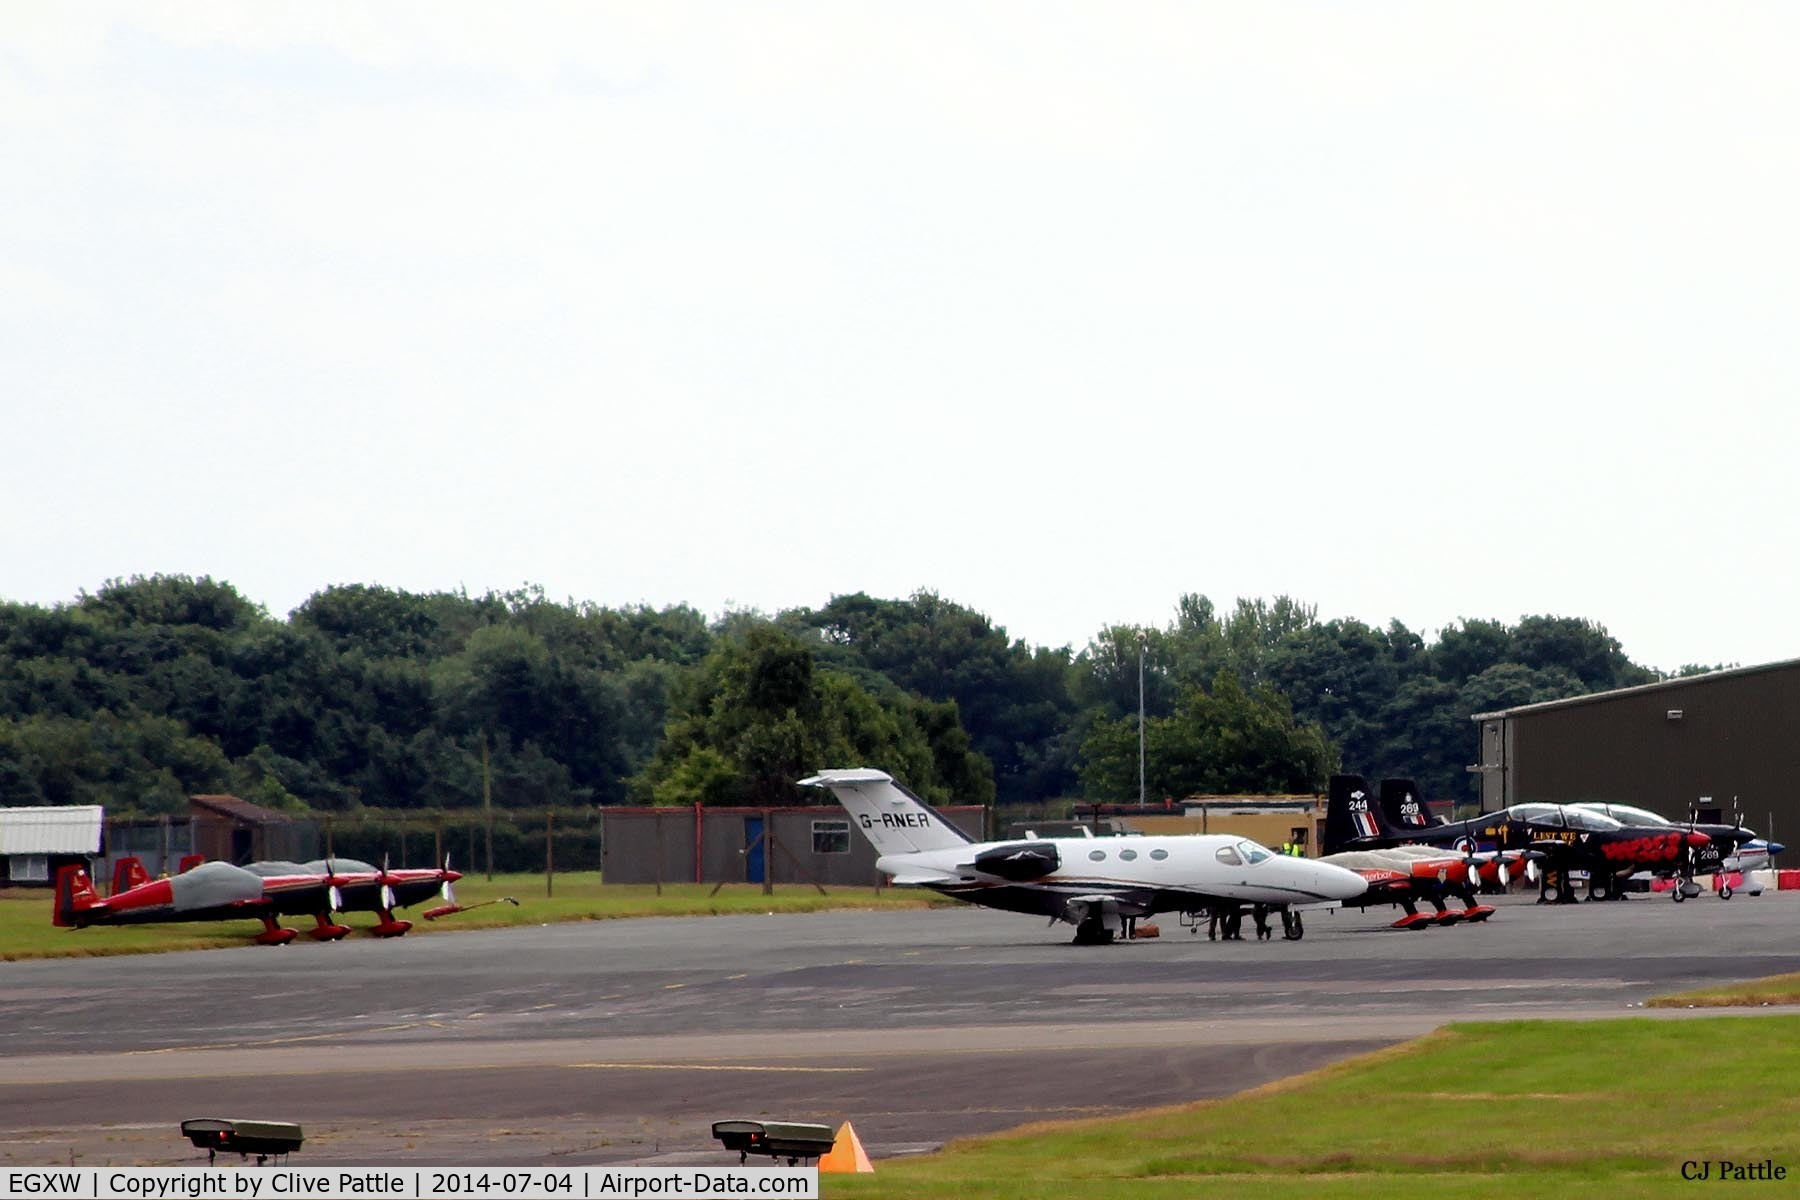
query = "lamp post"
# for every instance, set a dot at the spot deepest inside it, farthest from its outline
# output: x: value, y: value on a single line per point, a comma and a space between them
x: 1142, y: 638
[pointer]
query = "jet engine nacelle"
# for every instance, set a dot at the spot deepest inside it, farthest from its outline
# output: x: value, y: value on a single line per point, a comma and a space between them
x: 1019, y: 860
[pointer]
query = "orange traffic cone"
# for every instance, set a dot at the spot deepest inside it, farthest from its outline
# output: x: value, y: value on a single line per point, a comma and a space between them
x: 846, y: 1156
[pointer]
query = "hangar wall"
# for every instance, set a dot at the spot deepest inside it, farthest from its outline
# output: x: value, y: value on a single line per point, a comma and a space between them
x: 1663, y: 746
x: 727, y: 845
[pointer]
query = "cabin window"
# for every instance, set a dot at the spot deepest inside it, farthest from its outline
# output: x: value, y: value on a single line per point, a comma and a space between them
x: 1159, y: 855
x: 1128, y: 855
x: 1097, y: 855
x: 1228, y: 856
x: 831, y: 837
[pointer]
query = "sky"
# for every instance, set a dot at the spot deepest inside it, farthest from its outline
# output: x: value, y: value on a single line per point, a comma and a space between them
x: 1412, y: 311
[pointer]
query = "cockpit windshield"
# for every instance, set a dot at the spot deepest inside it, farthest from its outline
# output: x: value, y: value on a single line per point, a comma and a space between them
x: 1537, y: 814
x: 1627, y: 814
x: 1253, y: 853
x: 1556, y: 816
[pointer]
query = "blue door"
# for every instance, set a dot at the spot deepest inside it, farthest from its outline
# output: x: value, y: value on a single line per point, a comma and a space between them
x: 753, y: 850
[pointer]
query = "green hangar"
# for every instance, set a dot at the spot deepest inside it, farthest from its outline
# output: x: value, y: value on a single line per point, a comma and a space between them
x: 1716, y: 740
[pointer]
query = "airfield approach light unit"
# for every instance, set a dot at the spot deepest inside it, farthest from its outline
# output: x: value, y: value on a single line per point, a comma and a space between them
x: 792, y: 1140
x: 244, y: 1138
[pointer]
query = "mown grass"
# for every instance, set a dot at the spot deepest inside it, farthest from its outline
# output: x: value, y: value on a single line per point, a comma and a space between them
x: 1513, y: 1109
x: 26, y: 932
x: 1776, y: 989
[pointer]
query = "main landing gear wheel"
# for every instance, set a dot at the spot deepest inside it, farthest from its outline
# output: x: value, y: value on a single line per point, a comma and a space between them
x: 1292, y: 927
x: 1724, y: 891
x: 1093, y: 933
x: 1678, y: 894
x: 1597, y: 890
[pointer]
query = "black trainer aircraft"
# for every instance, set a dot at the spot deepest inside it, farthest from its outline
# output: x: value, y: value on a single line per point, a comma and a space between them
x: 1571, y: 839
x: 1726, y: 844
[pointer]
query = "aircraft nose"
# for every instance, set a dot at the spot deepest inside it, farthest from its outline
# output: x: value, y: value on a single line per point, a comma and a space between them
x: 1340, y: 884
x: 1696, y: 839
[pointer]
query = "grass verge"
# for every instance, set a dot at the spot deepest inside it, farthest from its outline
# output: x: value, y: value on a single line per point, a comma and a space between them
x: 26, y: 932
x: 1777, y: 989
x: 1505, y: 1109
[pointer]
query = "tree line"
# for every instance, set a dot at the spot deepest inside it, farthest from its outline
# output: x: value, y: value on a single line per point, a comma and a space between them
x: 156, y: 688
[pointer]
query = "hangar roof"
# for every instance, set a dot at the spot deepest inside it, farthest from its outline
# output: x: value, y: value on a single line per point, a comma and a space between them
x: 74, y: 829
x: 1685, y: 681
x: 237, y: 809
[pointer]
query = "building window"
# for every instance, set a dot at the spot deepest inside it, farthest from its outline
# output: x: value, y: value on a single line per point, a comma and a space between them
x: 31, y: 868
x: 831, y: 837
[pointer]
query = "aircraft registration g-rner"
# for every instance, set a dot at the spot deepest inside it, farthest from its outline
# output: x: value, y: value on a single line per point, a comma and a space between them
x: 1095, y: 884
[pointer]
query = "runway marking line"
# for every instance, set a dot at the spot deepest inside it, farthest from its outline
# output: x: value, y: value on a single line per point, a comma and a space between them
x: 280, y: 1041
x: 638, y: 1066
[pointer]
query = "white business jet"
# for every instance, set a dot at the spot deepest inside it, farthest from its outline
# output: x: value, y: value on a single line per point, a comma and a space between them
x: 1095, y: 884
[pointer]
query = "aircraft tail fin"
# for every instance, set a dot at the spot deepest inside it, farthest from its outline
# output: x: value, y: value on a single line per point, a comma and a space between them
x: 1402, y: 806
x: 127, y: 874
x: 75, y: 894
x: 1351, y: 813
x: 893, y: 819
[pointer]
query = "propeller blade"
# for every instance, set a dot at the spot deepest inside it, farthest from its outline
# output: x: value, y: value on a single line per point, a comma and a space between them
x: 387, y: 890
x: 336, y: 897
x: 447, y: 893
x: 1505, y: 875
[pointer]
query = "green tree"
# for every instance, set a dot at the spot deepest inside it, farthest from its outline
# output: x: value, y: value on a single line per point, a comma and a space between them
x: 1013, y: 700
x: 760, y: 713
x: 1340, y: 675
x: 1228, y: 740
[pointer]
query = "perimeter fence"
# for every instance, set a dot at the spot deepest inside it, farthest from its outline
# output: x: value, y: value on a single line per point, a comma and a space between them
x: 506, y: 840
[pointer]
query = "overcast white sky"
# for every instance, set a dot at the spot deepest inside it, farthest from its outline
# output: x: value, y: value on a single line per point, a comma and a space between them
x: 1419, y: 311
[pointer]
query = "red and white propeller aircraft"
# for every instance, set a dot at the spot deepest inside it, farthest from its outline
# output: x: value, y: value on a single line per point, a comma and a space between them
x: 266, y: 892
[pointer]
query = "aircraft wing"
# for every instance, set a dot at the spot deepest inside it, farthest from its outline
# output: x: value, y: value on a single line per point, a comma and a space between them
x: 925, y: 879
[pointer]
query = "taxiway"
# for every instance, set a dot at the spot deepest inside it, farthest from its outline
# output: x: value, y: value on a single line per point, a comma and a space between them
x: 622, y: 1041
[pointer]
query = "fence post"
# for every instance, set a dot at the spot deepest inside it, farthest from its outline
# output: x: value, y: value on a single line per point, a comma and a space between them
x: 656, y: 815
x: 549, y: 852
x: 487, y: 805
